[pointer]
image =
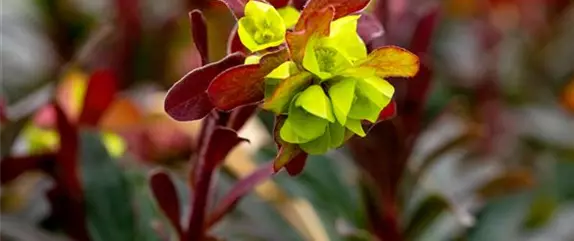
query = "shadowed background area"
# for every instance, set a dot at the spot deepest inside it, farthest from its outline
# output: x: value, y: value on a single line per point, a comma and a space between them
x: 481, y: 147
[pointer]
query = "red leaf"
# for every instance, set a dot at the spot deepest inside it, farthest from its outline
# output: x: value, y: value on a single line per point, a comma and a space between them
x: 239, y: 116
x: 212, y: 153
x: 236, y: 7
x: 166, y: 196
x: 234, y: 43
x: 296, y: 166
x: 318, y: 24
x: 100, y: 93
x: 67, y: 155
x: 278, y: 3
x: 187, y: 100
x: 299, y: 4
x: 12, y: 167
x: 243, y: 85
x: 389, y: 112
x: 342, y: 8
x: 240, y: 189
x: 199, y: 33
x: 369, y: 28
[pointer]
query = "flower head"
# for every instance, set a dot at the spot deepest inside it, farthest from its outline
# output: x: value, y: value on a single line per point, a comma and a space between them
x: 261, y: 27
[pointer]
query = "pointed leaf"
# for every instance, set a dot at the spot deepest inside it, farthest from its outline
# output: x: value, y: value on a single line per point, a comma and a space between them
x: 297, y: 164
x: 355, y: 126
x: 315, y: 101
x: 288, y: 134
x: 341, y: 8
x: 240, y: 116
x: 100, y: 93
x: 242, y: 85
x: 342, y: 95
x: 187, y: 100
x: 316, y: 26
x: 304, y: 124
x: 239, y: 190
x: 221, y: 142
x: 389, y: 61
x: 199, y: 34
x: 364, y: 109
x: 287, y: 153
x: 279, y: 101
x: 165, y: 194
x: 377, y: 90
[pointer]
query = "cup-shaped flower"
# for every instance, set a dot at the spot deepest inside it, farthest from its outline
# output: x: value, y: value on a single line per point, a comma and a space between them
x: 326, y: 56
x: 311, y: 123
x: 261, y: 27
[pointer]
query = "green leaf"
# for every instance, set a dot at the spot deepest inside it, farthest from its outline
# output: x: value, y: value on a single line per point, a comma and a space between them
x: 252, y: 59
x: 315, y: 101
x: 283, y: 94
x: 378, y: 90
x: 364, y: 109
x: 356, y: 127
x: 288, y: 134
x: 342, y: 95
x: 283, y: 71
x: 261, y: 27
x: 337, y: 133
x: 109, y: 210
x: 345, y: 39
x: 333, y: 137
x: 290, y: 15
x: 306, y: 125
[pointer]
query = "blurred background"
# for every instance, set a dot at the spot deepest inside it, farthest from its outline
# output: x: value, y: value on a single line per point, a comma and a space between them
x: 482, y: 148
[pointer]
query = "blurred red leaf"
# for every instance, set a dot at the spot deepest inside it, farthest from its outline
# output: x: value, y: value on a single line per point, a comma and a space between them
x: 100, y: 93
x: 341, y: 8
x: 278, y: 3
x: 166, y: 196
x: 240, y: 189
x: 199, y: 34
x: 317, y: 24
x: 187, y: 99
x: 369, y: 28
x: 389, y: 112
x: 12, y: 167
x: 68, y: 153
x: 213, y: 151
x: 244, y: 84
x: 299, y: 4
x: 297, y: 164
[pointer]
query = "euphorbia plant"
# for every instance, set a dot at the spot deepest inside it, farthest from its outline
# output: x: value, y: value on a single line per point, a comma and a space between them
x: 315, y: 76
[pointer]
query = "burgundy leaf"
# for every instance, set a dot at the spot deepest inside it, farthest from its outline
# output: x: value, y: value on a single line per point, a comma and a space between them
x: 166, y: 196
x: 342, y: 8
x: 299, y: 4
x: 240, y: 189
x: 296, y: 166
x: 67, y: 155
x: 317, y: 24
x: 241, y: 115
x: 369, y: 28
x: 418, y: 86
x: 234, y: 43
x: 212, y: 153
x: 278, y: 3
x: 244, y: 84
x: 100, y: 93
x: 199, y: 33
x: 236, y: 7
x: 12, y: 167
x: 187, y: 100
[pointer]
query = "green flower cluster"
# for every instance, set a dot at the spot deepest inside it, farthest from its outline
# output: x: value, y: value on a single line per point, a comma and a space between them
x: 341, y: 85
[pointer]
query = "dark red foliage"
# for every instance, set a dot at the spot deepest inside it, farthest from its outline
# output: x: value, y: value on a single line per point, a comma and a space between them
x: 12, y: 167
x: 297, y: 164
x: 244, y: 84
x: 220, y: 141
x: 187, y: 99
x: 342, y: 8
x: 100, y: 93
x: 166, y: 195
x: 199, y: 34
x: 369, y: 28
x: 240, y: 189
